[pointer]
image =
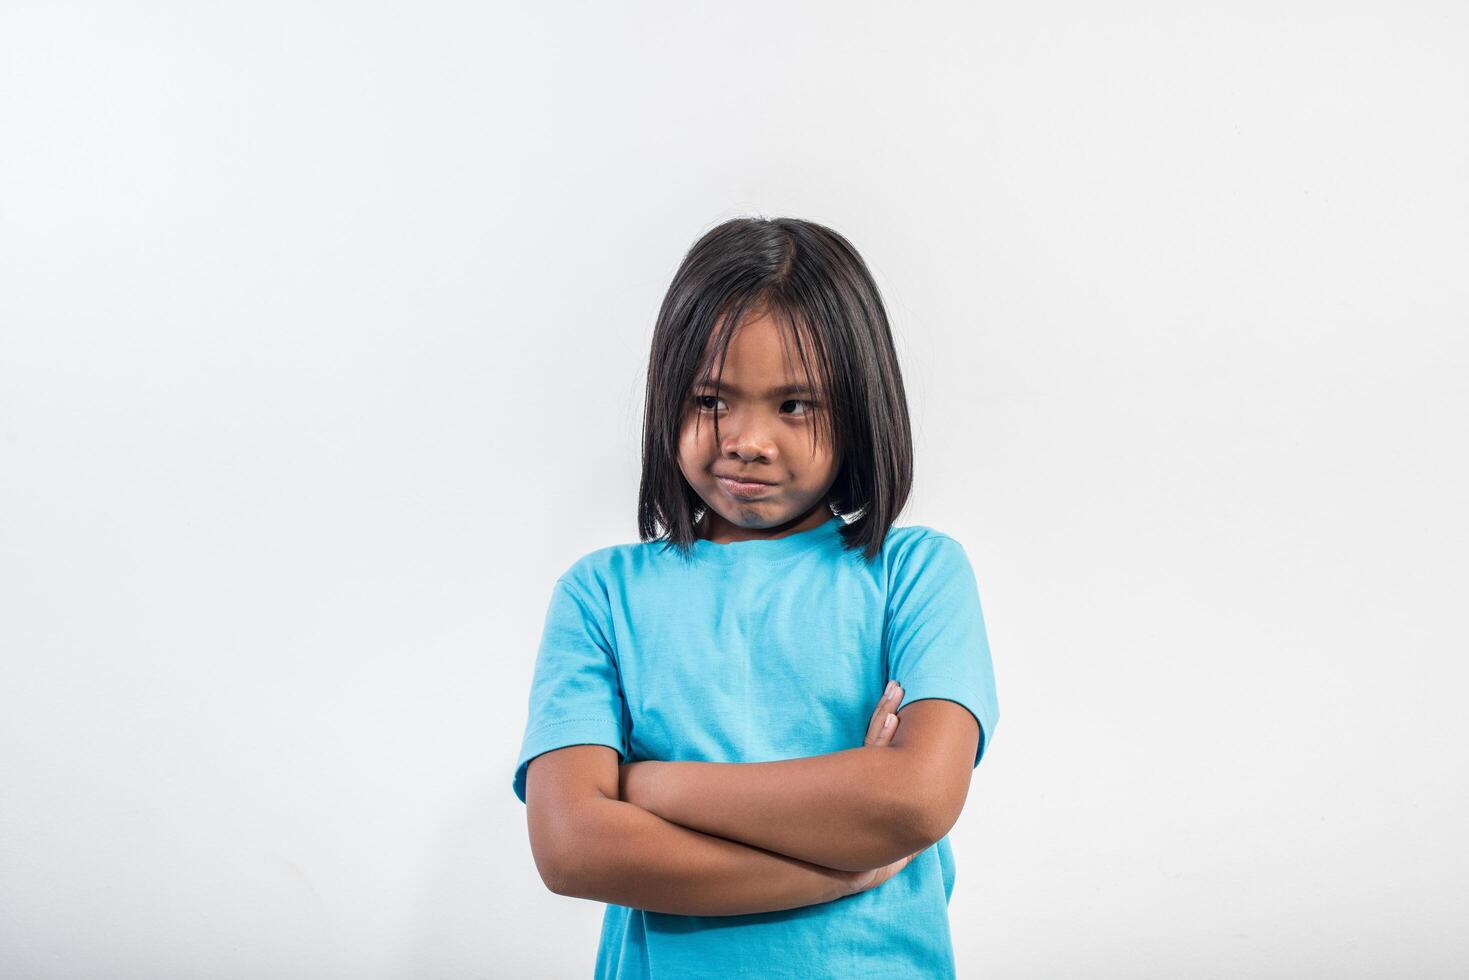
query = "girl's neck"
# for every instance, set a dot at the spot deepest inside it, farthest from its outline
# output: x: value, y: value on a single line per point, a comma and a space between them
x: 714, y: 528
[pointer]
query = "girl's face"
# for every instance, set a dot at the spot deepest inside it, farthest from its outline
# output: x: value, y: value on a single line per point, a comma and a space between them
x: 767, y: 434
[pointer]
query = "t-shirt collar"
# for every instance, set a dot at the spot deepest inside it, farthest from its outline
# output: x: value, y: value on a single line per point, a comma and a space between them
x: 769, y: 549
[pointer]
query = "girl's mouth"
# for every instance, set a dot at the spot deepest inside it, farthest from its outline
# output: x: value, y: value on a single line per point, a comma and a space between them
x: 743, y: 490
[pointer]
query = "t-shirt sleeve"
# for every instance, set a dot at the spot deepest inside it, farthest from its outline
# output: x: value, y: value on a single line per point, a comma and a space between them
x: 576, y: 692
x: 936, y: 640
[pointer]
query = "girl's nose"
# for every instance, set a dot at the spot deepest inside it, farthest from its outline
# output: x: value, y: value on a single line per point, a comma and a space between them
x: 748, y: 447
x: 748, y: 433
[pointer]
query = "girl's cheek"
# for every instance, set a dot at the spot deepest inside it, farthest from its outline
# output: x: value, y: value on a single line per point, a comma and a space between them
x: 688, y: 453
x: 693, y: 438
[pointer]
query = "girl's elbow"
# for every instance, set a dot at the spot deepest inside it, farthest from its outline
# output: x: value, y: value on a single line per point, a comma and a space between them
x: 929, y: 817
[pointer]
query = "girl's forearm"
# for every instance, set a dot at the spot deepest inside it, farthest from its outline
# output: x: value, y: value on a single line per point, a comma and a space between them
x: 848, y: 810
x: 625, y: 855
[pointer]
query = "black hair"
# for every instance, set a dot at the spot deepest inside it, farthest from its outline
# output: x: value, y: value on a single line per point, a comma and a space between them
x: 814, y: 279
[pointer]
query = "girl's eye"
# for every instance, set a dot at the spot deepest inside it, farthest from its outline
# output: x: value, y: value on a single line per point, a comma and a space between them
x: 703, y: 403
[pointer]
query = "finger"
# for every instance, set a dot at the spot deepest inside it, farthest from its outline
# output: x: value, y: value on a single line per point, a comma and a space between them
x: 882, y: 702
x: 879, y: 730
x: 884, y: 735
x: 888, y: 727
x: 890, y: 871
x: 889, y: 716
x: 874, y: 723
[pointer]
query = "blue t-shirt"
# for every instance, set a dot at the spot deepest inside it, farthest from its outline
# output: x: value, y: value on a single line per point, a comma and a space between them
x: 757, y: 651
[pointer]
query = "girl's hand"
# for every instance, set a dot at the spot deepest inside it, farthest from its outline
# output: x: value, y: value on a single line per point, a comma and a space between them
x: 862, y: 881
x: 877, y: 734
x: 880, y: 735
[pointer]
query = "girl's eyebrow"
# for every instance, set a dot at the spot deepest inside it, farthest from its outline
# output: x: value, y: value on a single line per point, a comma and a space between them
x: 798, y: 389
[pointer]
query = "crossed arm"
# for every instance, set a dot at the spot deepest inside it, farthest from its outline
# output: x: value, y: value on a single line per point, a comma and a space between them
x: 852, y: 810
x: 741, y: 838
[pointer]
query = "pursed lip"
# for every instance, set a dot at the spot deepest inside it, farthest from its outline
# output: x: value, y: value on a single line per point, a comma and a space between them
x: 743, y: 479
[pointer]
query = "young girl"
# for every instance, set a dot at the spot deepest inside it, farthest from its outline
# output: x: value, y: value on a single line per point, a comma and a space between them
x: 702, y: 751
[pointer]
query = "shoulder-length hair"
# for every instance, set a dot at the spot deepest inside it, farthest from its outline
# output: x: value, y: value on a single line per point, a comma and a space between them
x: 813, y: 279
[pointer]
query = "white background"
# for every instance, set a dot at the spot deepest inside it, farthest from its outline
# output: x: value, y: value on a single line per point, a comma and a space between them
x: 323, y: 332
